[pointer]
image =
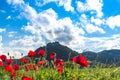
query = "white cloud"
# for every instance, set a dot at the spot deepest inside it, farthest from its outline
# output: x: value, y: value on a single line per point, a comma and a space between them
x: 113, y: 21
x: 81, y: 7
x: 45, y: 26
x: 1, y: 44
x: 9, y: 17
x: 90, y: 28
x: 24, y: 44
x: 102, y: 43
x: 91, y: 25
x: 14, y: 51
x: 43, y: 2
x: 27, y: 41
x: 91, y: 5
x: 2, y: 30
x: 83, y: 19
x: 65, y: 3
x: 12, y: 34
x: 15, y: 2
x: 28, y: 12
x: 97, y: 21
x: 2, y: 11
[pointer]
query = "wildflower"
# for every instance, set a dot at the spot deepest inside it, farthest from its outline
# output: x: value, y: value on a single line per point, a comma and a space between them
x: 31, y: 66
x: 42, y: 63
x: 52, y: 55
x: 73, y: 59
x: 27, y: 68
x: 36, y: 67
x: 60, y: 69
x: 1, y: 64
x: 31, y: 53
x: 81, y: 60
x: 3, y: 57
x: 41, y: 52
x: 14, y: 74
x: 26, y: 78
x: 24, y: 60
x: 16, y: 67
x: 58, y: 62
x: 9, y: 69
x: 9, y: 61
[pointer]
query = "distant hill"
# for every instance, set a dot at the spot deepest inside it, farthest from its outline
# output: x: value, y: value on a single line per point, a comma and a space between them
x: 106, y: 56
x: 62, y: 51
x: 65, y: 53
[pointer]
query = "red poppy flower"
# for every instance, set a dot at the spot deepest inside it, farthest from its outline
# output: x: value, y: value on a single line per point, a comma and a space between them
x: 82, y: 61
x: 24, y: 60
x: 42, y: 63
x: 1, y: 64
x: 27, y: 68
x: 36, y: 67
x: 41, y: 52
x: 9, y: 69
x: 31, y: 66
x: 9, y: 61
x: 58, y: 62
x: 60, y: 69
x: 73, y: 59
x: 26, y: 78
x: 14, y: 74
x: 31, y: 53
x: 3, y: 57
x: 52, y: 55
x: 16, y: 67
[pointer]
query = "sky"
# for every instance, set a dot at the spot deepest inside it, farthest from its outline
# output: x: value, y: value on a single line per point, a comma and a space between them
x: 92, y: 25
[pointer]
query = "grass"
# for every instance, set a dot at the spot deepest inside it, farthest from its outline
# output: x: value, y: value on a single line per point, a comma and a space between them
x: 70, y: 70
x: 70, y: 73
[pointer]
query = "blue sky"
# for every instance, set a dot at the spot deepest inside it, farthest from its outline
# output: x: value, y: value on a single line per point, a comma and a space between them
x: 78, y: 24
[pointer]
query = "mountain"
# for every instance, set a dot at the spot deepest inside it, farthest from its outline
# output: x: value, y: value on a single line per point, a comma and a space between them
x: 109, y: 56
x: 65, y: 53
x: 106, y: 56
x: 62, y: 52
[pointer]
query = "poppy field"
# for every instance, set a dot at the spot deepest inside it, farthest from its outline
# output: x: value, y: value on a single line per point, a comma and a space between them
x: 32, y: 68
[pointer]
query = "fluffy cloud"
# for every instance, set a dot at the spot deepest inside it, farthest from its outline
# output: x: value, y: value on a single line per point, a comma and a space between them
x: 1, y: 49
x: 112, y: 42
x: 12, y: 34
x: 113, y: 21
x: 15, y: 2
x: 65, y: 3
x: 89, y: 27
x: 27, y: 41
x: 92, y: 6
x: 28, y: 12
x: 2, y: 30
x: 44, y: 27
x: 24, y: 44
x: 47, y: 24
x: 9, y: 17
x: 97, y: 21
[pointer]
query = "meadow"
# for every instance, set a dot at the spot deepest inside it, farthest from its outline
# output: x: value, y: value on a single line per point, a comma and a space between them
x: 77, y: 68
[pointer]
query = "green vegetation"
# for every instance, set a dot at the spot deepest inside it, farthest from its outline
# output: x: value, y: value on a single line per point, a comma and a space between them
x: 70, y: 73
